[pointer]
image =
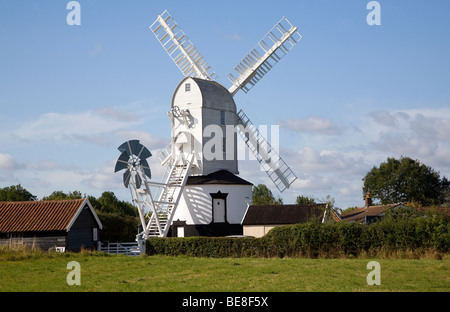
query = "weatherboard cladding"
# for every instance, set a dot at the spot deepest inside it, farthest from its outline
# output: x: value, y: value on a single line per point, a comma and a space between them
x: 214, y: 95
x: 35, y: 216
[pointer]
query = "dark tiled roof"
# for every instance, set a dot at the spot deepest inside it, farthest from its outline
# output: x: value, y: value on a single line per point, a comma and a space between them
x: 281, y: 214
x: 359, y: 214
x: 30, y: 216
x: 218, y: 177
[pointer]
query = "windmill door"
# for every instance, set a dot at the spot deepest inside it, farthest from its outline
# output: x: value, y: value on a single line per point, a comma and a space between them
x: 219, y: 210
x: 219, y: 207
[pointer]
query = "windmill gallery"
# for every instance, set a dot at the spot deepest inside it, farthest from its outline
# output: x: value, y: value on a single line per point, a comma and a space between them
x: 201, y: 193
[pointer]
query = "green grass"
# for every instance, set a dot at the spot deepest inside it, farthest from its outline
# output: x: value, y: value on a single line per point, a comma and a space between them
x: 99, y: 272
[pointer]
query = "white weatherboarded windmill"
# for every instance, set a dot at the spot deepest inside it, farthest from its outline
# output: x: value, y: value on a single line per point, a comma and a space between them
x: 200, y: 193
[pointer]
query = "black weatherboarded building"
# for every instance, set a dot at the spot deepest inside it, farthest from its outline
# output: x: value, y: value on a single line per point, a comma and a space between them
x: 64, y: 224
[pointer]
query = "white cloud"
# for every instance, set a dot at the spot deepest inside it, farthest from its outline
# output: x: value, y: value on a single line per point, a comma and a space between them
x: 384, y: 118
x: 89, y: 126
x: 423, y: 134
x: 104, y: 178
x: 314, y: 125
x: 233, y: 37
x: 8, y: 168
x: 98, y: 47
x: 327, y: 161
x: 115, y: 114
x: 7, y: 162
x: 432, y: 127
x: 145, y: 138
x: 44, y: 165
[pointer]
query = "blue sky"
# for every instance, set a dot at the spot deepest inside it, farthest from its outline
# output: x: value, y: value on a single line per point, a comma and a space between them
x: 348, y: 96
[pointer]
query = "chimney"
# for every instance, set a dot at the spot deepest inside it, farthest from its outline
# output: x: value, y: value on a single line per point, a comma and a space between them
x: 368, y: 201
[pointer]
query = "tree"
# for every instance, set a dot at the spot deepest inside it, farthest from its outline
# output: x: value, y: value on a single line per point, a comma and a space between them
x: 406, y: 180
x: 119, y: 218
x: 108, y: 202
x: 118, y: 227
x: 305, y: 200
x: 15, y: 193
x: 60, y: 195
x: 261, y: 195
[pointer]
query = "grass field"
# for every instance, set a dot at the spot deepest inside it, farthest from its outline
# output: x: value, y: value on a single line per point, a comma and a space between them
x: 106, y: 273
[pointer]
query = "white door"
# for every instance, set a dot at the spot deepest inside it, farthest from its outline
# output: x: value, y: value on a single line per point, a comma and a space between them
x: 180, y: 231
x: 219, y: 210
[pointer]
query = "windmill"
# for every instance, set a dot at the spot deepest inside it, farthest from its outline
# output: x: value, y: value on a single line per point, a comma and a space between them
x: 257, y: 63
x: 200, y: 176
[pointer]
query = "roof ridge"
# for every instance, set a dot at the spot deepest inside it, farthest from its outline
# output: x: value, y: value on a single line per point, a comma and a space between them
x: 42, y: 200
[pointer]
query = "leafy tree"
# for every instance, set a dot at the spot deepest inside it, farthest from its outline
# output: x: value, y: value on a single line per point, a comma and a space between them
x: 119, y: 218
x: 117, y: 227
x: 15, y: 193
x: 406, y: 180
x: 108, y: 202
x: 60, y: 195
x: 305, y: 200
x: 261, y: 195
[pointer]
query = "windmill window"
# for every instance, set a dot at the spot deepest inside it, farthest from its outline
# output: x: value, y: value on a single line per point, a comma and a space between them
x: 222, y: 118
x: 187, y: 87
x: 224, y: 145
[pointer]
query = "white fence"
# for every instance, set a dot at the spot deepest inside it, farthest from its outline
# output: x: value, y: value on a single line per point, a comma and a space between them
x: 129, y: 249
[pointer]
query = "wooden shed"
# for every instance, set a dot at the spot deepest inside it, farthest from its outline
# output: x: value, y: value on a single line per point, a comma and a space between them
x: 67, y: 225
x: 260, y: 219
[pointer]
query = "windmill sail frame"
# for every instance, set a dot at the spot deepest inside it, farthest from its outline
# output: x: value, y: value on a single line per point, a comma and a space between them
x: 267, y: 52
x: 180, y: 49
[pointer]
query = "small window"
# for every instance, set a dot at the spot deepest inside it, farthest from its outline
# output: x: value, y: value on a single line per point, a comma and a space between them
x: 94, y: 234
x: 187, y: 87
x: 224, y: 145
x: 222, y: 118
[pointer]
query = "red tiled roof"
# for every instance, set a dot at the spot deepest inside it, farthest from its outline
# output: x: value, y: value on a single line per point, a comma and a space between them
x: 28, y: 216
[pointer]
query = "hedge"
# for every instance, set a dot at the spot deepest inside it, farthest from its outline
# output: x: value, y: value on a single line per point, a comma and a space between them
x: 412, y: 233
x: 206, y: 246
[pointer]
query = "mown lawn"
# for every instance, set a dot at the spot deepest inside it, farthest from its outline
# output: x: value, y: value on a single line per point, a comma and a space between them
x: 108, y: 273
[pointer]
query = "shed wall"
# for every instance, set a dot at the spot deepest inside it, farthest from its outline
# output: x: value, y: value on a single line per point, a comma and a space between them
x: 81, y: 232
x: 42, y: 240
x: 258, y: 230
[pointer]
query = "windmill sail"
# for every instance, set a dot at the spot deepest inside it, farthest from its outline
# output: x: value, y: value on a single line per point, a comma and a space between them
x: 269, y: 51
x: 275, y: 167
x: 180, y: 48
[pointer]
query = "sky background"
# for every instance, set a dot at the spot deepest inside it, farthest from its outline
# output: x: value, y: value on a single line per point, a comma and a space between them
x: 346, y: 98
